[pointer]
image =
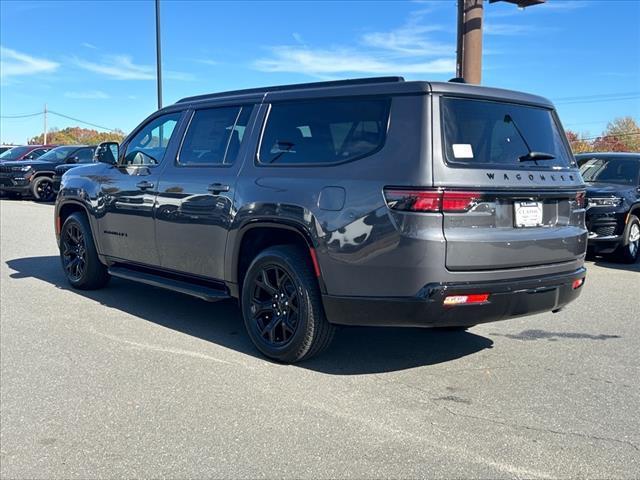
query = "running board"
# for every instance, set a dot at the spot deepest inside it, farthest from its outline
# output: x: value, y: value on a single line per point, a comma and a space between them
x: 209, y: 294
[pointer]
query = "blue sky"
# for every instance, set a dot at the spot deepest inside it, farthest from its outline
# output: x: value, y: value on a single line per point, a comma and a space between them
x: 96, y: 60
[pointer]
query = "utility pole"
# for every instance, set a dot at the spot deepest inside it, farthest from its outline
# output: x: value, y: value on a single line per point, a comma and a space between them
x: 469, y: 44
x: 45, y: 124
x: 158, y: 55
x: 469, y: 39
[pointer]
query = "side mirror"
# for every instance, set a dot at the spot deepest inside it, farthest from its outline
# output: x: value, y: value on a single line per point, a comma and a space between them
x: 73, y: 159
x: 107, y: 152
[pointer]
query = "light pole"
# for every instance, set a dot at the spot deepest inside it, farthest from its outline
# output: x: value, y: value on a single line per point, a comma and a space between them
x: 158, y: 55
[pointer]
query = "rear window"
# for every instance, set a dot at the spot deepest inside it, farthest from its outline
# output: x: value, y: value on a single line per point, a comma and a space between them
x: 324, y: 131
x: 502, y: 134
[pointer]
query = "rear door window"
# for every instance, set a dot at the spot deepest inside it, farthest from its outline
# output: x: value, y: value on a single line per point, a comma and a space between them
x: 502, y: 134
x: 324, y: 131
x: 214, y: 136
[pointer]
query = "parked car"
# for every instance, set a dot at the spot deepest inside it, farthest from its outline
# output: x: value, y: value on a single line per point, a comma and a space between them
x: 613, y: 203
x: 359, y: 202
x: 4, y: 148
x: 60, y: 170
x: 35, y: 177
x: 25, y: 152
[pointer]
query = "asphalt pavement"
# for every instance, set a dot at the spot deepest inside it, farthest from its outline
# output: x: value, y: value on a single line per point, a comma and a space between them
x: 133, y: 381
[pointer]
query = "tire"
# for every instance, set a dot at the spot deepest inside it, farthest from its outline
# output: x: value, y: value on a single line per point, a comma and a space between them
x: 42, y: 189
x: 296, y: 328
x: 78, y: 255
x: 629, y: 250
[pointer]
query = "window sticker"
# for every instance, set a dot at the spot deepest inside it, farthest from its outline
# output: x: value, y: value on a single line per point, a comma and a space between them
x: 462, y: 150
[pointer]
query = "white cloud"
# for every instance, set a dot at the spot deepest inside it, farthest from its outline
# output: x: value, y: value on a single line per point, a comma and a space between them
x: 409, y: 40
x: 323, y: 63
x: 408, y: 49
x: 87, y: 95
x: 206, y: 61
x: 89, y: 45
x: 14, y: 63
x: 121, y: 67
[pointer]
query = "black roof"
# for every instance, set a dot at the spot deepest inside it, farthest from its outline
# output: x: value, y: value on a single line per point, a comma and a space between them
x: 365, y: 86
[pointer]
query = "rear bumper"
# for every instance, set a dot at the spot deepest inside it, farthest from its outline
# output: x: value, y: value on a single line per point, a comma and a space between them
x: 508, y: 299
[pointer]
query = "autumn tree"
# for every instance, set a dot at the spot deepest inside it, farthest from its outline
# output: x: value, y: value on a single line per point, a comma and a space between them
x: 578, y: 144
x: 77, y: 136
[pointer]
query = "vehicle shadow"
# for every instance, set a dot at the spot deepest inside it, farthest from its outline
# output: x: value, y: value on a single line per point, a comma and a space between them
x: 355, y: 350
x: 606, y: 263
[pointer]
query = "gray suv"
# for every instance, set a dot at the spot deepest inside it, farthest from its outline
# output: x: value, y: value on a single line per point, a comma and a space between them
x: 361, y: 202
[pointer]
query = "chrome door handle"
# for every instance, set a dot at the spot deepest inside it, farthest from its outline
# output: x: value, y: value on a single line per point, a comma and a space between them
x: 144, y: 185
x: 217, y: 188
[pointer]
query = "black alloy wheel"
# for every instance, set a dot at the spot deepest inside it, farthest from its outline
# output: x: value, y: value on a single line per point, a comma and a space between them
x: 79, y: 256
x: 275, y: 305
x: 74, y: 252
x: 282, y: 305
x: 43, y: 189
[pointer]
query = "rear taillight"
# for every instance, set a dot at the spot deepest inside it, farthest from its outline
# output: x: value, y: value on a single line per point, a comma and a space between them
x: 475, y: 298
x: 414, y: 200
x: 429, y: 200
x: 581, y: 199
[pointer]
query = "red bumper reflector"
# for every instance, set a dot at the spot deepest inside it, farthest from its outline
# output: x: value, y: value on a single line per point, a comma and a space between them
x: 453, y: 300
x: 57, y: 225
x: 577, y: 283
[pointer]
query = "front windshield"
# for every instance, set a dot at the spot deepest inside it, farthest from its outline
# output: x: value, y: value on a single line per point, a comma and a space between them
x: 14, y: 153
x: 57, y: 154
x: 611, y: 170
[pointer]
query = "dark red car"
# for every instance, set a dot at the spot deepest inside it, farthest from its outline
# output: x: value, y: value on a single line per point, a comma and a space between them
x: 25, y: 152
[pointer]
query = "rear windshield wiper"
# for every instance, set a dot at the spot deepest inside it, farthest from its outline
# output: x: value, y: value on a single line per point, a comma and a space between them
x: 536, y: 156
x: 531, y: 156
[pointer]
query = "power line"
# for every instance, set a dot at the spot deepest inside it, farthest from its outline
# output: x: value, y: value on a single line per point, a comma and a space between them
x: 615, y: 135
x: 82, y: 121
x: 60, y: 115
x: 598, y: 95
x: 22, y: 116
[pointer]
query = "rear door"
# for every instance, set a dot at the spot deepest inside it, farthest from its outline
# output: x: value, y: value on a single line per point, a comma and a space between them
x: 194, y: 206
x: 513, y: 196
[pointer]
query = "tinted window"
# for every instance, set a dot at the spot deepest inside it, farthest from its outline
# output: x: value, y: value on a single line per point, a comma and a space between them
x: 14, y: 153
x: 150, y: 143
x: 85, y: 155
x: 214, y: 136
x: 324, y: 131
x: 58, y: 154
x: 477, y: 131
x: 611, y: 170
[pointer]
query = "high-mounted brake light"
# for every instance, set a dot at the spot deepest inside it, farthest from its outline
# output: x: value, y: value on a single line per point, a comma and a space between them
x: 475, y: 298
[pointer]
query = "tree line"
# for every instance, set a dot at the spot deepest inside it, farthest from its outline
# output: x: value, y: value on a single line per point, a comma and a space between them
x: 77, y: 136
x: 621, y: 135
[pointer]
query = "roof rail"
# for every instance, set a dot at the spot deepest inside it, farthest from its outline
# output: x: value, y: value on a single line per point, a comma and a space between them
x: 295, y: 86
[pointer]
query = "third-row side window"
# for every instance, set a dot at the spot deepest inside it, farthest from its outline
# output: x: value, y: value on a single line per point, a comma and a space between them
x: 214, y: 136
x: 324, y: 131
